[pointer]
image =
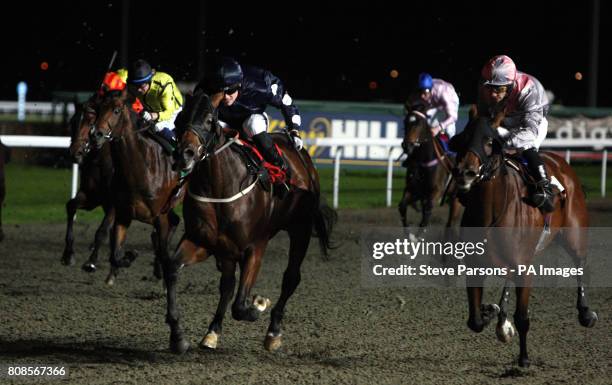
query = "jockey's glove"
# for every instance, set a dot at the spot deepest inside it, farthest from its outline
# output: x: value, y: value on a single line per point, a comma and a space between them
x: 435, y: 130
x: 146, y: 116
x: 297, y: 141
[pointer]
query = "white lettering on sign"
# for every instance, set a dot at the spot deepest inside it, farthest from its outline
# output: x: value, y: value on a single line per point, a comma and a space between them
x: 364, y: 129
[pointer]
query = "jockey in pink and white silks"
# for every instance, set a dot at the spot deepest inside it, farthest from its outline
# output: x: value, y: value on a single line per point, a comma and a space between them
x: 441, y: 104
x: 523, y: 100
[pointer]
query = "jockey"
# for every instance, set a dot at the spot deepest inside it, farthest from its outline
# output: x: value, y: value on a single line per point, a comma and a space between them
x: 522, y: 99
x: 161, y: 98
x: 440, y: 101
x: 247, y: 91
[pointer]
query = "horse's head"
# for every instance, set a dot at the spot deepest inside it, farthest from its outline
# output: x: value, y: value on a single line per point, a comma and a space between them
x: 112, y: 115
x: 482, y: 142
x: 416, y: 130
x: 198, y: 129
x: 81, y: 125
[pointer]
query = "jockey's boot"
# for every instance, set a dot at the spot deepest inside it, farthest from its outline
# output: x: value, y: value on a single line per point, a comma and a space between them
x: 265, y: 144
x: 168, y: 134
x: 542, y: 197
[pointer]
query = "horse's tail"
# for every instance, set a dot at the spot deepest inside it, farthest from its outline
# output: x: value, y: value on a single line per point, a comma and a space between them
x: 324, y: 220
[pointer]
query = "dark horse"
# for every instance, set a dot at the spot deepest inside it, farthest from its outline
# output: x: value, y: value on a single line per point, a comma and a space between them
x: 229, y: 214
x: 143, y: 182
x: 2, y: 186
x: 428, y: 175
x: 493, y: 198
x: 96, y: 171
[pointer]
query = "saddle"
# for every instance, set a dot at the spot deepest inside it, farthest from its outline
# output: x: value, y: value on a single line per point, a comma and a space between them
x: 267, y: 173
x: 166, y: 145
x: 518, y: 163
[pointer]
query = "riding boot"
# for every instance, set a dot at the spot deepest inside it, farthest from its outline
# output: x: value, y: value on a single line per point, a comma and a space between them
x: 542, y: 196
x: 265, y: 144
x: 168, y: 134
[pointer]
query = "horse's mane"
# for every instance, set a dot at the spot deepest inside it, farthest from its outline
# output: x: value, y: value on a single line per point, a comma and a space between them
x: 194, y: 110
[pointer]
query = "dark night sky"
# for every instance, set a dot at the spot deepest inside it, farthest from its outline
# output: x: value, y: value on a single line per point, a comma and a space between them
x: 321, y: 50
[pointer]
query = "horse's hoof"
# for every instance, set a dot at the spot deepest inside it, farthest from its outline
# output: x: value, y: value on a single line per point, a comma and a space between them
x: 110, y: 280
x: 210, y: 340
x: 89, y: 267
x: 68, y: 260
x: 524, y: 362
x: 587, y: 318
x: 474, y: 326
x: 505, y: 331
x: 272, y: 343
x: 179, y: 346
x: 489, y: 312
x: 129, y: 257
x: 260, y: 303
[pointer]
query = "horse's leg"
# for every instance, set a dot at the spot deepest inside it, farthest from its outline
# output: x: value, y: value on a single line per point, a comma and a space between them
x: 186, y: 253
x: 71, y: 207
x: 244, y: 309
x: 454, y: 212
x: 429, y: 193
x: 474, y: 300
x: 574, y: 242
x: 101, y: 233
x: 160, y: 243
x: 504, y: 330
x: 426, y: 209
x: 521, y: 320
x: 480, y: 314
x: 403, y: 205
x: 299, y: 239
x: 227, y: 267
x: 175, y: 220
x: 118, y: 236
x: 1, y: 201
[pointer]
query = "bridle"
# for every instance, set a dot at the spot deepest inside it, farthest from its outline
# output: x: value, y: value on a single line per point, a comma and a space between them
x: 118, y: 110
x: 208, y: 139
x: 446, y: 162
x: 486, y: 172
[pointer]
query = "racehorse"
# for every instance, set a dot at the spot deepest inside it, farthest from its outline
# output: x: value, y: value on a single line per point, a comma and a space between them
x: 96, y: 170
x: 230, y: 214
x: 144, y: 186
x: 428, y: 175
x: 2, y: 186
x: 493, y: 191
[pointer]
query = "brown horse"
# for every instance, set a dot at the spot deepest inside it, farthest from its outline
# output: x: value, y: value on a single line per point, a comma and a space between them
x: 2, y: 186
x: 96, y: 170
x: 428, y: 173
x: 493, y: 199
x: 143, y: 182
x: 228, y: 213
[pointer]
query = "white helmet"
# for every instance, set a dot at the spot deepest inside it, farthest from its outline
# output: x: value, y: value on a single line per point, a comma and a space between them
x: 499, y: 71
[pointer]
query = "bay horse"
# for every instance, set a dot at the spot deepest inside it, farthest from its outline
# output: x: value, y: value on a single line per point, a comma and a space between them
x: 3, y: 155
x: 429, y: 172
x: 96, y: 171
x: 493, y: 198
x: 144, y: 185
x: 228, y: 213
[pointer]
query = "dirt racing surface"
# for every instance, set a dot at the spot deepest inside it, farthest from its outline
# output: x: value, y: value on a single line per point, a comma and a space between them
x: 335, y: 331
